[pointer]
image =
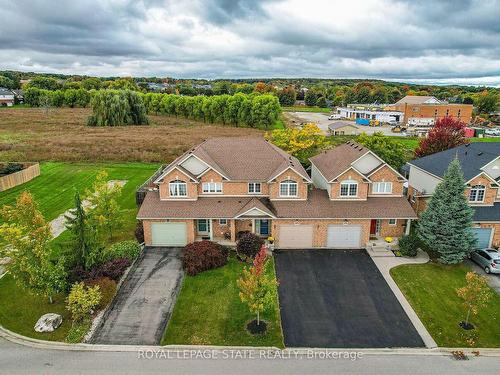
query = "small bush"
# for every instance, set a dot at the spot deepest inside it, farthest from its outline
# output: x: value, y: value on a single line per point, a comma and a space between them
x: 125, y: 249
x: 82, y: 300
x: 78, y: 331
x: 10, y: 168
x: 77, y: 274
x: 107, y: 287
x: 249, y: 245
x: 408, y: 245
x: 202, y: 256
x: 139, y: 232
x: 113, y: 269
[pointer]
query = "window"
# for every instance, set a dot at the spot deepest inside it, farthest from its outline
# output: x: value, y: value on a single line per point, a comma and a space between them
x: 392, y: 221
x: 222, y: 221
x: 262, y: 227
x: 382, y: 187
x: 288, y: 188
x: 212, y: 187
x: 178, y: 188
x: 203, y: 226
x: 413, y: 197
x: 477, y: 193
x: 348, y: 188
x: 254, y: 188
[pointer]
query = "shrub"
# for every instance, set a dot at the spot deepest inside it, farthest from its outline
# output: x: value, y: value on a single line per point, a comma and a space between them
x: 125, y: 249
x: 82, y: 300
x: 139, y: 232
x: 113, y: 269
x: 78, y: 331
x: 10, y: 168
x: 107, y: 287
x: 77, y: 274
x: 408, y: 245
x: 249, y: 245
x: 202, y: 256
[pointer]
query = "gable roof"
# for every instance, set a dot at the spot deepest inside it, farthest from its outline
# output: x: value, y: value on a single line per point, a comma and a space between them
x: 418, y: 99
x: 243, y: 159
x: 472, y: 158
x: 335, y: 161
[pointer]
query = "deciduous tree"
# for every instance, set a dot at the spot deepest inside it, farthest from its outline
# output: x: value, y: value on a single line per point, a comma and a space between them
x: 475, y: 295
x: 391, y: 151
x: 446, y: 133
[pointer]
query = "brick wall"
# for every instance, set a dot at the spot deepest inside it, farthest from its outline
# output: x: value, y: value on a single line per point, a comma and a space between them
x: 350, y: 175
x: 386, y: 174
x: 192, y: 192
x: 387, y: 230
x: 490, y: 194
x: 147, y: 229
x: 460, y: 111
x: 274, y: 187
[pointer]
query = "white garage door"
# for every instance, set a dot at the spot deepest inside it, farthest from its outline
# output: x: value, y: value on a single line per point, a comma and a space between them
x: 344, y: 237
x: 295, y: 236
x: 483, y: 236
x: 169, y: 234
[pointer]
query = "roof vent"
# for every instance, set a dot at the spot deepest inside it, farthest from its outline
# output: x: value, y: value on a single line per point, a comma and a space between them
x: 479, y: 153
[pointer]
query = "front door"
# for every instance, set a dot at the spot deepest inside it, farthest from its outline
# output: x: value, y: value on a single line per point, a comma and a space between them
x: 373, y: 227
x: 262, y: 227
x: 203, y: 227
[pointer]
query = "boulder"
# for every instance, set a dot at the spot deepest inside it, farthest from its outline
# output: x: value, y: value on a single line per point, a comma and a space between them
x: 48, y: 322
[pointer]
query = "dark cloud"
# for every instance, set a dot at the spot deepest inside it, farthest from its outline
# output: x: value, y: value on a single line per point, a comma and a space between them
x: 394, y: 39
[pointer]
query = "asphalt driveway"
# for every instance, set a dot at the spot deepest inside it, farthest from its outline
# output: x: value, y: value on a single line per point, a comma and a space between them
x: 339, y: 299
x: 145, y: 301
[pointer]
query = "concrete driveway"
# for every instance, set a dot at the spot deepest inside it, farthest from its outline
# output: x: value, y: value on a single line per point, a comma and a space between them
x: 321, y: 119
x: 339, y: 299
x: 145, y: 301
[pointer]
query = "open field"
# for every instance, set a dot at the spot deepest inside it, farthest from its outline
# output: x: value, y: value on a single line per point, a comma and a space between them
x: 306, y: 109
x: 209, y: 312
x: 431, y: 290
x: 33, y: 134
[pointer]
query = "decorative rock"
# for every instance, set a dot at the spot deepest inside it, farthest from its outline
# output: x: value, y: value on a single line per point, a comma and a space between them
x: 48, y: 322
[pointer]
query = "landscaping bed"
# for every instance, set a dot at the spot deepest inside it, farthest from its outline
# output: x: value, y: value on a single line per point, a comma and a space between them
x: 431, y: 290
x: 209, y: 311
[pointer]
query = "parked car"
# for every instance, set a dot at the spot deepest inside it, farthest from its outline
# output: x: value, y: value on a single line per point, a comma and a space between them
x: 493, y: 132
x: 335, y: 116
x: 487, y: 259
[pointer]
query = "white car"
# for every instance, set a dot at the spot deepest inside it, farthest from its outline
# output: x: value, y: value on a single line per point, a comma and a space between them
x: 492, y: 132
x: 335, y: 116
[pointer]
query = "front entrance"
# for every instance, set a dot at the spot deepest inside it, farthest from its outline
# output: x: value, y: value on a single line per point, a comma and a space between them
x: 375, y: 227
x: 262, y: 227
x: 203, y: 227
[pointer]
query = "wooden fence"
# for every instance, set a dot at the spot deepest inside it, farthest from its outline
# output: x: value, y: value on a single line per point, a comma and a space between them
x: 30, y: 171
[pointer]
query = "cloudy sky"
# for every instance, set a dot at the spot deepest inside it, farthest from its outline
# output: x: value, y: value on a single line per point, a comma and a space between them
x: 456, y: 41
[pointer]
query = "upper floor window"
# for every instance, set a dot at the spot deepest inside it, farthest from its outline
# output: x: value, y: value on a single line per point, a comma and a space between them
x: 382, y: 187
x: 178, y: 188
x: 349, y: 188
x: 477, y: 193
x: 288, y: 188
x: 212, y: 187
x: 254, y: 188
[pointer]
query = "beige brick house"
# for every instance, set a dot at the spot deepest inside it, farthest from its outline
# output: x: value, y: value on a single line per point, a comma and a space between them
x: 225, y: 186
x: 480, y: 163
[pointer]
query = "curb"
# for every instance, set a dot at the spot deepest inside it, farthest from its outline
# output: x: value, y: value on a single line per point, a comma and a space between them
x: 52, y: 345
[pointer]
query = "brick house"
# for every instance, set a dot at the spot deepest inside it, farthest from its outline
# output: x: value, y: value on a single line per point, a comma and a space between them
x: 229, y: 185
x: 481, y: 167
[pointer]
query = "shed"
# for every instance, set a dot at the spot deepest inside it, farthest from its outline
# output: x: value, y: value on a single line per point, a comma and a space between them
x: 342, y: 128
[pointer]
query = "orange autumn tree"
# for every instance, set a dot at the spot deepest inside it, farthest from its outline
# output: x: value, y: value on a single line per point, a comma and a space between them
x: 257, y: 289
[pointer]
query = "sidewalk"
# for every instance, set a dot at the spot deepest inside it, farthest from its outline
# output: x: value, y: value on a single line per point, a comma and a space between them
x: 384, y: 264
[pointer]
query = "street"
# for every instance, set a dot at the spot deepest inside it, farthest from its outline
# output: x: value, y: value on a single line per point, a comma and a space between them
x: 18, y: 359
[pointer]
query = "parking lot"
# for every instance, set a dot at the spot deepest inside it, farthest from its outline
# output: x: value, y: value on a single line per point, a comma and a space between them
x: 321, y: 119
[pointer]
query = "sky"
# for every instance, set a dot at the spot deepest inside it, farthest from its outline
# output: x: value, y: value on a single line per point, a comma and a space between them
x: 421, y: 41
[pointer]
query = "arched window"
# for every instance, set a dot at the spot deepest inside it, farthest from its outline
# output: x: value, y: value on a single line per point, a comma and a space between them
x: 288, y: 188
x: 349, y: 188
x: 477, y: 193
x: 177, y: 188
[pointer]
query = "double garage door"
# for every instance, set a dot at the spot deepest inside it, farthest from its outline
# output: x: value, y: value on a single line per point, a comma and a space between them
x: 301, y: 236
x: 168, y: 234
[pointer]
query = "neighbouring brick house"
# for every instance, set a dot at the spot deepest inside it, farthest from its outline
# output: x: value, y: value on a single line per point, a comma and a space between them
x: 229, y: 185
x: 481, y: 167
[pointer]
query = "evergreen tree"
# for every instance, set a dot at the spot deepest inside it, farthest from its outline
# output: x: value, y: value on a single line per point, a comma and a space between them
x: 76, y: 223
x: 446, y: 224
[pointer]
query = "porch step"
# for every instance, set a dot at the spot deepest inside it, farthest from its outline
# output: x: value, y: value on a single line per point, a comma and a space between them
x: 379, y: 251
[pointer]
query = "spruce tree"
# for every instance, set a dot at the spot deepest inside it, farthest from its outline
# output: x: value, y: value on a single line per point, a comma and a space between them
x: 446, y: 224
x: 76, y: 223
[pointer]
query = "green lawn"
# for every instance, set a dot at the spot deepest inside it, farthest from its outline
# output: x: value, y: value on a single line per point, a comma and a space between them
x: 431, y: 290
x: 209, y: 312
x: 306, y: 109
x: 19, y: 311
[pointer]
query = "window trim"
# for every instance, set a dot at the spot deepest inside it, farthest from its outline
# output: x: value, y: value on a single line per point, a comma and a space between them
x: 349, y: 184
x: 385, y: 184
x: 392, y: 224
x: 210, y: 183
x: 254, y: 184
x: 222, y: 221
x: 477, y: 189
x: 175, y: 185
x: 288, y: 183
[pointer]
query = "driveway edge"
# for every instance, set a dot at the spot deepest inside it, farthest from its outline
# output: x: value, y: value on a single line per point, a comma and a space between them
x: 52, y: 345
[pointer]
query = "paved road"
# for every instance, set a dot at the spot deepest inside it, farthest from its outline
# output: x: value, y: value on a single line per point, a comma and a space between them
x: 321, y: 119
x: 339, y: 299
x: 493, y: 280
x: 16, y: 359
x: 145, y: 301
